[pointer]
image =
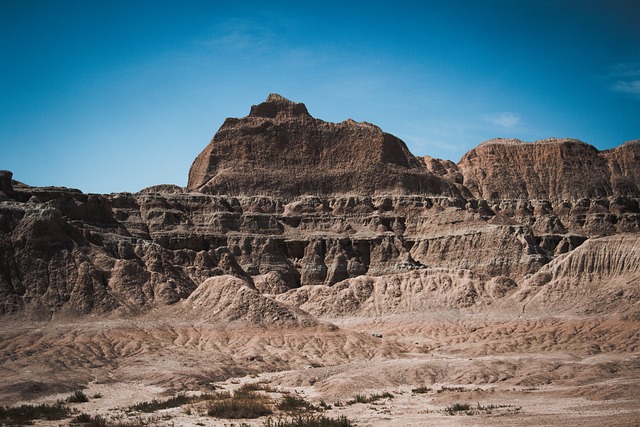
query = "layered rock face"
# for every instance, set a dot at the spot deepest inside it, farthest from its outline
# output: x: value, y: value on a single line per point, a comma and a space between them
x: 553, y: 170
x: 280, y: 150
x: 280, y: 200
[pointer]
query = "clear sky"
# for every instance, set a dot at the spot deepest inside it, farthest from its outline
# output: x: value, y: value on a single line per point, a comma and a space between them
x: 110, y: 96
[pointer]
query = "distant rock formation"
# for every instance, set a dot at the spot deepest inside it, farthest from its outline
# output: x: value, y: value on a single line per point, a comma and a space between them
x: 280, y: 200
x: 552, y: 169
x: 280, y: 150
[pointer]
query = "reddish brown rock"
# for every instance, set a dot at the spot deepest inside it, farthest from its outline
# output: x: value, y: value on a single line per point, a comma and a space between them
x: 268, y: 204
x: 552, y: 169
x: 624, y: 162
x: 279, y: 149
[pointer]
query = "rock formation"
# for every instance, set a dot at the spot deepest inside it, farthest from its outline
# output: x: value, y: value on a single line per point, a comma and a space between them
x: 280, y: 150
x: 552, y: 170
x: 280, y: 200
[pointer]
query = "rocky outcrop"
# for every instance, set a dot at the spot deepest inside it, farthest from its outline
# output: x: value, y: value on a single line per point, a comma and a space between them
x: 418, y: 291
x: 228, y: 299
x: 279, y: 149
x: 624, y: 163
x: 601, y: 276
x: 555, y: 170
x: 6, y: 187
x: 281, y: 200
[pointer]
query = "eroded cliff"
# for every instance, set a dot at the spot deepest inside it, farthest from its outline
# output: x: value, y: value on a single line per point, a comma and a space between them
x: 281, y: 200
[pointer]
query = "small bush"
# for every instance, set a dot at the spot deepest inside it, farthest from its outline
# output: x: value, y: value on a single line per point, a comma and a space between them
x: 361, y: 398
x: 174, y: 402
x: 452, y: 389
x: 291, y: 403
x: 457, y: 407
x: 156, y: 405
x: 81, y: 418
x: 87, y: 420
x: 421, y: 390
x: 311, y: 421
x: 135, y: 423
x: 261, y: 386
x: 314, y: 421
x: 324, y: 405
x: 237, y: 408
x: 25, y: 414
x: 250, y: 387
x: 243, y: 404
x: 478, y: 409
x: 78, y: 396
x: 96, y: 396
x: 490, y: 408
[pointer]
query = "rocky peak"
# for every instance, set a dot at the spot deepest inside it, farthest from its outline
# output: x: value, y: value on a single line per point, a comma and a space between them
x: 553, y: 169
x: 6, y: 187
x: 278, y: 107
x: 280, y: 150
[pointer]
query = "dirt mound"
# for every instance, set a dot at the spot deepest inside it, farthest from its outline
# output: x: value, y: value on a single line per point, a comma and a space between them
x: 228, y: 299
x: 599, y: 277
x: 414, y: 292
x: 168, y: 348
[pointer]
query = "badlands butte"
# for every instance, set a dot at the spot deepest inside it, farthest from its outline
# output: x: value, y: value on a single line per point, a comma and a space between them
x: 326, y: 261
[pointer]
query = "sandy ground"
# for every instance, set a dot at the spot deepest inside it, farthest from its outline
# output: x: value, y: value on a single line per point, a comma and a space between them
x: 525, y: 372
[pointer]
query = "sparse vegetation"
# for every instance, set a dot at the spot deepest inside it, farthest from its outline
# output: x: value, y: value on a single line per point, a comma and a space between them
x: 469, y: 410
x: 457, y: 407
x: 134, y: 423
x: 172, y: 402
x: 257, y: 387
x: 87, y: 420
x: 421, y: 390
x: 25, y: 414
x: 451, y: 389
x: 243, y: 404
x: 361, y: 398
x: 238, y: 408
x: 324, y: 405
x: 81, y: 418
x: 311, y: 421
x: 78, y: 396
x: 156, y: 405
x: 291, y: 403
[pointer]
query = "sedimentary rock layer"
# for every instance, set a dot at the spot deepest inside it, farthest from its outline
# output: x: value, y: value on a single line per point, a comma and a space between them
x: 280, y: 199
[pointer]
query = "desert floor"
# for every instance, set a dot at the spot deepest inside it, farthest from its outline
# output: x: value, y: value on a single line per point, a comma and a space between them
x: 546, y: 371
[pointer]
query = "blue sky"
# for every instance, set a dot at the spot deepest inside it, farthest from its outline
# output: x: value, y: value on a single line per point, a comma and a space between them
x: 110, y: 96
